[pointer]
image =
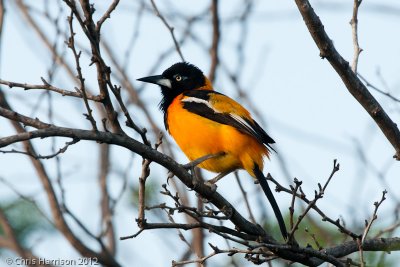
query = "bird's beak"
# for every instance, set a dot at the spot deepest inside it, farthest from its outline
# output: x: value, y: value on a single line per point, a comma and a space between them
x: 156, y: 79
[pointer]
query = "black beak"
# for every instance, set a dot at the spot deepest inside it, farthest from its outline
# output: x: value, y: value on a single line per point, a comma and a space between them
x: 156, y: 79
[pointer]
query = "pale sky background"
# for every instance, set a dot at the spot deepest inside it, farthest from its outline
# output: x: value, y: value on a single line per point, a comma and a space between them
x: 303, y: 103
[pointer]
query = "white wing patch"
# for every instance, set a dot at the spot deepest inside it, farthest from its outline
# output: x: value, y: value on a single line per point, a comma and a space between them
x: 200, y: 101
x: 203, y: 107
x: 236, y: 117
x: 242, y: 122
x: 244, y: 125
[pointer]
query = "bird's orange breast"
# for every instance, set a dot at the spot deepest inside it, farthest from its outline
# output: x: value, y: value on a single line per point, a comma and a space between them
x: 198, y: 136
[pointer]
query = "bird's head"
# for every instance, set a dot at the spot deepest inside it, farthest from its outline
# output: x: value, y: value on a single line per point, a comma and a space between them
x: 177, y: 79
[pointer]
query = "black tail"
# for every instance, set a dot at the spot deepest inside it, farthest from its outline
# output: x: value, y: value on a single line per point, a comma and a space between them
x: 267, y: 190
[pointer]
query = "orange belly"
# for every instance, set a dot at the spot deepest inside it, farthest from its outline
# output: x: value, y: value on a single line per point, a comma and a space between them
x: 198, y: 136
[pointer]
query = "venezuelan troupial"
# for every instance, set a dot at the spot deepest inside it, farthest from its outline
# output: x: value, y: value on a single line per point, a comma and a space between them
x: 205, y: 122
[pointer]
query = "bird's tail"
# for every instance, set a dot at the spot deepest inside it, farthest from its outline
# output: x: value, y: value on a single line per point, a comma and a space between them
x: 267, y: 191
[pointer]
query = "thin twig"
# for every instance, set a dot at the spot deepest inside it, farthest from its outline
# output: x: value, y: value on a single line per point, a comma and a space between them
x: 141, y: 220
x: 360, y: 253
x: 171, y: 29
x: 217, y: 251
x: 124, y: 80
x: 191, y: 211
x: 367, y: 83
x: 312, y: 204
x: 38, y: 156
x: 335, y: 169
x: 314, y: 239
x: 291, y: 209
x: 246, y: 201
x: 106, y: 220
x: 354, y: 29
x: 77, y: 55
x: 389, y: 229
x: 374, y: 216
x: 106, y: 15
x: 2, y: 12
x: 47, y: 86
x: 216, y: 33
x: 103, y: 71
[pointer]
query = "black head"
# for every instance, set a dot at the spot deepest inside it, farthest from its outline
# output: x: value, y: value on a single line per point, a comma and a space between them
x: 175, y: 80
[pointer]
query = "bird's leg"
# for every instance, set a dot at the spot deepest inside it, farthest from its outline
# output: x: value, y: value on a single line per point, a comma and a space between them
x: 211, y: 182
x: 191, y: 165
x: 200, y: 160
x: 218, y: 177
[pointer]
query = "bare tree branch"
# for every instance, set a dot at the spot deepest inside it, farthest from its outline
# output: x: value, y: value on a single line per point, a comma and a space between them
x: 106, y: 15
x: 324, y: 217
x: 215, y: 40
x: 170, y: 29
x: 2, y: 13
x: 354, y: 29
x: 106, y: 210
x: 60, y: 151
x: 367, y: 83
x: 246, y: 201
x: 103, y: 71
x: 59, y: 220
x: 47, y: 86
x: 374, y: 216
x: 208, y: 214
x: 252, y: 231
x: 312, y: 203
x: 349, y: 78
x: 77, y: 55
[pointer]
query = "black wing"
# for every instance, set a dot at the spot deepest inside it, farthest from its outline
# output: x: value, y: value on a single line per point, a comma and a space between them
x: 198, y: 102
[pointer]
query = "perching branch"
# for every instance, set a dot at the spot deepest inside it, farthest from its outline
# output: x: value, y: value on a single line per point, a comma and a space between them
x: 252, y: 232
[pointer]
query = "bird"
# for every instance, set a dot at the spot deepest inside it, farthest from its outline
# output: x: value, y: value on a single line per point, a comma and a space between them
x: 205, y: 122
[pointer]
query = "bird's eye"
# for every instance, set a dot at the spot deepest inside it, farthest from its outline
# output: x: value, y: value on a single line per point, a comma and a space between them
x: 178, y: 78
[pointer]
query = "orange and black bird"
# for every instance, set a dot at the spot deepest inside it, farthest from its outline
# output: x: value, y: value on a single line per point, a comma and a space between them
x: 205, y: 122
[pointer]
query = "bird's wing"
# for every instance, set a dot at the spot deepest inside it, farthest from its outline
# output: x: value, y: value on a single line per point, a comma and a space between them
x: 222, y: 109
